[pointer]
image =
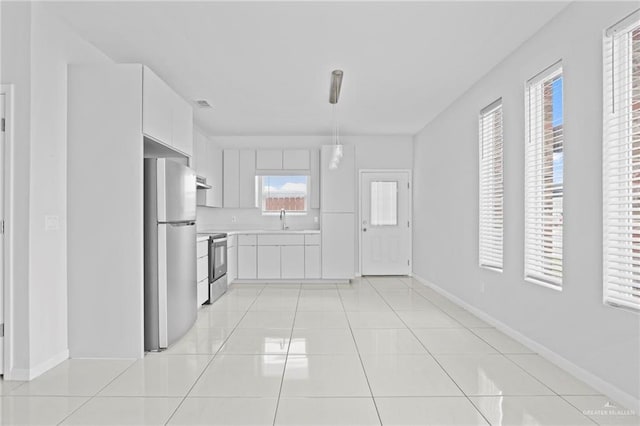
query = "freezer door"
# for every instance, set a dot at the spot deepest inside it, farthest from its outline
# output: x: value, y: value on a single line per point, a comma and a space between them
x: 180, y: 286
x: 176, y: 192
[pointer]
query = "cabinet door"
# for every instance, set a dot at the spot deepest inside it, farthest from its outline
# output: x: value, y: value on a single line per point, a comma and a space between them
x: 247, y: 262
x: 312, y: 262
x: 269, y: 159
x: 337, y: 186
x: 338, y: 245
x: 232, y: 264
x: 314, y: 179
x: 292, y: 260
x: 295, y: 159
x: 157, y: 100
x: 182, y: 125
x: 268, y: 262
x: 247, y: 181
x: 214, y: 176
x: 231, y: 170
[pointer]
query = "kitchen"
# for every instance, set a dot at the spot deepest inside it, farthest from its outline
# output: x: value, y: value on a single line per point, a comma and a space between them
x: 330, y: 269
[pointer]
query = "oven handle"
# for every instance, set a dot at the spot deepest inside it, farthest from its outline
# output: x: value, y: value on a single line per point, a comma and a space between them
x: 219, y: 240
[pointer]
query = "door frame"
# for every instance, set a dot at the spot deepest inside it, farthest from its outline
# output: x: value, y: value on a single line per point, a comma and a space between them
x: 8, y: 195
x: 361, y: 173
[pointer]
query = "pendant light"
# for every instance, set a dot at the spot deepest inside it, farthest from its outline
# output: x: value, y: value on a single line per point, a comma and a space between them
x: 334, y: 96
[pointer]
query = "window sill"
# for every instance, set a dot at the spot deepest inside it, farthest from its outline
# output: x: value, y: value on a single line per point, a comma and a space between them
x: 556, y: 287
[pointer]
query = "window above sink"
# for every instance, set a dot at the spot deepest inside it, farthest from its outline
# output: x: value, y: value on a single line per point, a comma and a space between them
x: 277, y: 192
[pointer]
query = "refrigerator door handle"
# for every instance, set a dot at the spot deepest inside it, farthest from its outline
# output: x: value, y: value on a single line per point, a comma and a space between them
x: 190, y: 223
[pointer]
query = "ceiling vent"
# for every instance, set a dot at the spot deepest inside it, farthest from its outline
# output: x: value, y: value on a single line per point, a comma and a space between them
x: 202, y: 103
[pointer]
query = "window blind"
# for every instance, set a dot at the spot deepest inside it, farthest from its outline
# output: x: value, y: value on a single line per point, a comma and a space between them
x: 621, y: 164
x: 544, y: 168
x: 491, y: 187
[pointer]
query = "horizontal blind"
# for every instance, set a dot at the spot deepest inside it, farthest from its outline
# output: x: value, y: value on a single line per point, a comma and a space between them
x: 544, y: 168
x: 491, y: 187
x: 621, y: 164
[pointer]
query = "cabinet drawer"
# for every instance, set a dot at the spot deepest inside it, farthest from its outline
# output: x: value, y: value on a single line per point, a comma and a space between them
x: 203, y: 292
x: 202, y: 270
x: 247, y: 240
x: 312, y: 239
x: 202, y: 249
x: 280, y: 239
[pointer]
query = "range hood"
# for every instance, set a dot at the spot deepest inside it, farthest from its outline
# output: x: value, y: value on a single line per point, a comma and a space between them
x: 201, y: 183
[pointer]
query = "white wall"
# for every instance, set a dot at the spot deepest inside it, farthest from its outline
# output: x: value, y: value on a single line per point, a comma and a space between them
x: 372, y: 152
x: 574, y: 323
x: 16, y: 67
x: 35, y: 57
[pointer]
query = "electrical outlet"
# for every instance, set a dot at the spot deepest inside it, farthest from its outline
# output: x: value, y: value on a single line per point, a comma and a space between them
x: 315, y: 219
x: 234, y: 219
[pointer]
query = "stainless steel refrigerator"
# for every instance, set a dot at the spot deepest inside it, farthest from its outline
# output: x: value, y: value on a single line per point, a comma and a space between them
x: 170, y: 285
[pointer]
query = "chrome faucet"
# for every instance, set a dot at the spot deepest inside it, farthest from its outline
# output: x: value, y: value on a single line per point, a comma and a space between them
x: 283, y: 219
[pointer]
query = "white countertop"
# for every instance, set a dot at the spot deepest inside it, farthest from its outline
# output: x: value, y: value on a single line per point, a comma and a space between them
x: 257, y: 231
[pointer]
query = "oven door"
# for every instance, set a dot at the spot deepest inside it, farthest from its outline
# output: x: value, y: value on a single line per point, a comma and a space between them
x: 217, y: 258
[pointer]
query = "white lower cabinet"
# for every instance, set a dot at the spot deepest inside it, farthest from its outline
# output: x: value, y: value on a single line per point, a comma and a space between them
x: 292, y: 262
x: 275, y: 256
x: 202, y: 271
x: 268, y: 262
x: 312, y: 269
x: 232, y: 264
x: 247, y: 262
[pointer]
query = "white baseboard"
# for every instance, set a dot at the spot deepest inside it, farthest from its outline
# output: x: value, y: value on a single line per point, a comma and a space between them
x: 26, y: 374
x: 629, y: 401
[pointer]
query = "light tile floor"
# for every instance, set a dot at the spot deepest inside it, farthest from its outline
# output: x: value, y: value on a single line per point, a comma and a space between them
x: 381, y: 350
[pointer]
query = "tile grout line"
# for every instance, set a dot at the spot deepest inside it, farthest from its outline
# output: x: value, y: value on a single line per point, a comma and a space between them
x: 215, y: 355
x: 90, y: 398
x: 286, y: 358
x: 504, y: 355
x: 364, y: 371
x: 432, y: 356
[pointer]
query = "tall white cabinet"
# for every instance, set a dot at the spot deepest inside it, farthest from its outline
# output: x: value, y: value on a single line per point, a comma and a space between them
x: 337, y: 207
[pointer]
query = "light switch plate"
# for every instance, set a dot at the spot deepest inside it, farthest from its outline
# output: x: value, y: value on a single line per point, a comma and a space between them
x: 51, y: 223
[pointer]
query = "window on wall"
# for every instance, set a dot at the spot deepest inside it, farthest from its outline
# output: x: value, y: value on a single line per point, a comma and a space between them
x: 491, y: 187
x: 275, y: 193
x: 622, y: 164
x: 544, y: 176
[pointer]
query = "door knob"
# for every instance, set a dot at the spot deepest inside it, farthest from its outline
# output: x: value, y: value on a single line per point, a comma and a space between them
x: 364, y: 229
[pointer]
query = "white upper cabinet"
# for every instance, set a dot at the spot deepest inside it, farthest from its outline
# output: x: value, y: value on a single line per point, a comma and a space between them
x: 156, y: 111
x: 231, y: 171
x: 166, y: 117
x: 279, y: 159
x: 182, y: 120
x: 295, y: 159
x: 337, y: 187
x: 207, y: 161
x: 247, y: 180
x: 269, y: 159
x: 314, y: 172
x: 239, y: 178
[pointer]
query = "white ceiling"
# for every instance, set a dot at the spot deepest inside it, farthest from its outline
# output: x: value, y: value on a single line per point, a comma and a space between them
x: 265, y: 66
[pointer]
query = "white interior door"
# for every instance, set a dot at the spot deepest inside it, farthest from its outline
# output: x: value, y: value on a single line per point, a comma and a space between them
x: 385, y: 228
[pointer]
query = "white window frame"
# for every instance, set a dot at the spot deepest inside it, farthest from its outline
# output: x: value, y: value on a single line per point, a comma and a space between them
x: 621, y: 278
x: 491, y: 151
x: 534, y: 261
x: 260, y: 202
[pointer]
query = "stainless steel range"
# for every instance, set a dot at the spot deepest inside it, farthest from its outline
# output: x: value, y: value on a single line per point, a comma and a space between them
x: 217, y: 266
